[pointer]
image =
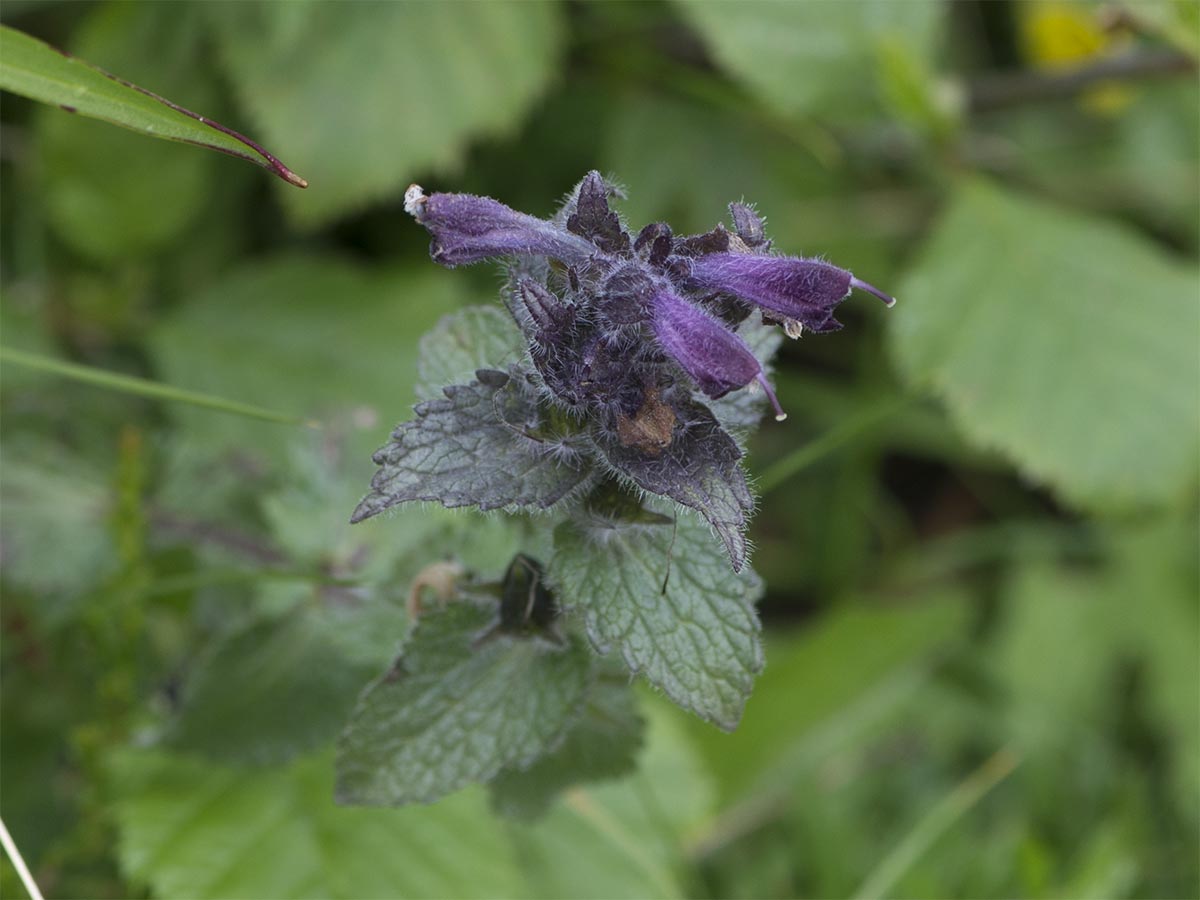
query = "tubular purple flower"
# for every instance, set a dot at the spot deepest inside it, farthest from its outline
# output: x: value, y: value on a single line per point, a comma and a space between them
x: 467, y: 229
x: 713, y: 355
x: 801, y: 290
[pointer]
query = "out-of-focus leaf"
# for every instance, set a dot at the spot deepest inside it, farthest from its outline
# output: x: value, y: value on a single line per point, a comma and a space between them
x: 483, y: 444
x: 856, y: 666
x: 273, y: 690
x: 461, y: 702
x: 53, y: 535
x: 194, y: 829
x: 815, y: 57
x: 478, y: 337
x: 317, y: 336
x: 367, y: 95
x: 623, y: 839
x: 1063, y: 341
x: 601, y: 745
x: 36, y: 70
x: 668, y: 602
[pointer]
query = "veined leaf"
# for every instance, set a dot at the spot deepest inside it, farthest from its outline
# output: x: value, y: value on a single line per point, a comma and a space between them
x: 665, y: 598
x: 40, y: 72
x: 478, y: 337
x: 1066, y: 342
x: 463, y: 701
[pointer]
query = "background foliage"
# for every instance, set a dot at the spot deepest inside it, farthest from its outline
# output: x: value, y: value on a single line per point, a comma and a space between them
x: 977, y: 529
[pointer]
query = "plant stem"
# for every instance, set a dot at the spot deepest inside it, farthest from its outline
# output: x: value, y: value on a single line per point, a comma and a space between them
x: 1015, y: 88
x: 802, y: 457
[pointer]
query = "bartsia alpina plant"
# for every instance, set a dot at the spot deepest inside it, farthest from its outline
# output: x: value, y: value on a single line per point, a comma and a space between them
x: 632, y: 342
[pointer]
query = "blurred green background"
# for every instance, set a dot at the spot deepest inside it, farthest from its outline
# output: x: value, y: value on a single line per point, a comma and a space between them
x: 978, y: 527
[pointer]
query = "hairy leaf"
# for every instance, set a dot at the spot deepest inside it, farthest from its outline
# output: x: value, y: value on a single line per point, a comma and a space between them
x: 603, y: 744
x: 366, y: 96
x: 190, y: 828
x: 700, y: 468
x: 486, y: 444
x: 463, y: 701
x: 691, y: 631
x: 1066, y: 342
x: 478, y: 337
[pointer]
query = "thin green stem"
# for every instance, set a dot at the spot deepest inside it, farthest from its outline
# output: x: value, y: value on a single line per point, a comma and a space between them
x: 937, y: 822
x: 802, y: 457
x: 142, y: 387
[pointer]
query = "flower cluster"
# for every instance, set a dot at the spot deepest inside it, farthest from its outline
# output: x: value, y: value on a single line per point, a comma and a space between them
x: 623, y: 330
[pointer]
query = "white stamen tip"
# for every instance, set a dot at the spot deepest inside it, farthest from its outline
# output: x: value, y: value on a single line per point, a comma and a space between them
x: 793, y: 328
x: 780, y: 415
x: 414, y: 199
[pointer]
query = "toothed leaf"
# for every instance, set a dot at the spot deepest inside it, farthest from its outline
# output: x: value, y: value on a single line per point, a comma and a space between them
x: 696, y: 639
x: 484, y: 444
x: 463, y: 701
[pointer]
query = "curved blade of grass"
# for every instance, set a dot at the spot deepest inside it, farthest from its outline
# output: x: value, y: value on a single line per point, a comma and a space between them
x: 36, y: 70
x: 937, y: 822
x: 130, y: 384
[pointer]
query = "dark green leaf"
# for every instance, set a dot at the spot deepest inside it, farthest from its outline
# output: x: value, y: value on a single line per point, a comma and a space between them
x: 463, y: 701
x: 694, y: 634
x: 487, y: 444
x: 1066, y: 342
x: 270, y: 691
x: 478, y: 337
x: 601, y: 745
x: 36, y: 70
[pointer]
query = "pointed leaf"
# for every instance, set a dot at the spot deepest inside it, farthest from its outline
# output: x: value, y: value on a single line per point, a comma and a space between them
x: 485, y: 444
x: 697, y: 638
x: 700, y: 468
x: 462, y: 702
x: 36, y: 70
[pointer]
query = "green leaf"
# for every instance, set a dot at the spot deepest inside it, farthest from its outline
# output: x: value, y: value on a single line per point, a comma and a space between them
x: 1065, y: 342
x: 193, y: 829
x: 38, y: 71
x: 602, y: 745
x: 484, y: 444
x: 367, y: 96
x: 694, y: 634
x: 463, y: 701
x: 815, y: 57
x: 625, y: 838
x: 478, y: 337
x: 315, y: 335
x: 274, y: 689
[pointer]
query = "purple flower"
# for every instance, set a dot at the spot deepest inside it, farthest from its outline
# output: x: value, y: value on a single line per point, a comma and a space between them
x: 467, y: 229
x: 803, y: 292
x: 714, y: 356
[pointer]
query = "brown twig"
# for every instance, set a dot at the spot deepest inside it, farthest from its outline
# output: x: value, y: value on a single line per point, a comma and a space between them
x: 1014, y: 88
